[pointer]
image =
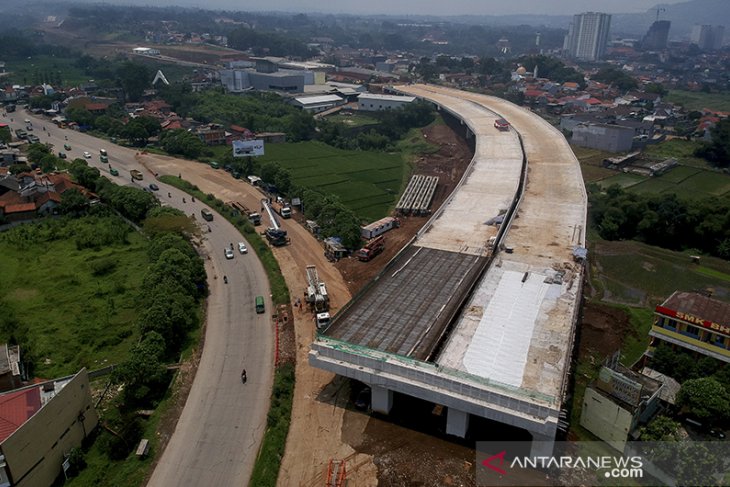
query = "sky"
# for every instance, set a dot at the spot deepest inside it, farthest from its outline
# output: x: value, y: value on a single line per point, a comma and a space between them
x: 421, y: 7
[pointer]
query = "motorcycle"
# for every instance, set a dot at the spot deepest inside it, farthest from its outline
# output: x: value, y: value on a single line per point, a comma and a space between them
x: 225, y: 279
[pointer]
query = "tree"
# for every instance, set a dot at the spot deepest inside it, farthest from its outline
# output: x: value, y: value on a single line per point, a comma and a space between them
x: 134, y: 78
x: 131, y: 202
x: 615, y: 77
x: 86, y: 176
x: 182, y: 142
x: 80, y: 115
x: 5, y: 136
x: 704, y: 398
x: 717, y: 151
x: 143, y: 373
x: 661, y: 428
x: 73, y: 202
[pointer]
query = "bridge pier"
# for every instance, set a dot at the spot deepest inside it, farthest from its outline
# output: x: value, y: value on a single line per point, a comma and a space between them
x: 457, y: 422
x: 381, y: 399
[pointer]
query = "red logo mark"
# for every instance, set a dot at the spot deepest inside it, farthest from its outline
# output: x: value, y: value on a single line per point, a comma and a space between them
x: 488, y: 462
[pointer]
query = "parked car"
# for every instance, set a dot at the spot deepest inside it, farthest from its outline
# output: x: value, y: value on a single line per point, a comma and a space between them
x: 87, y: 155
x: 229, y: 253
x: 154, y: 187
x: 62, y: 155
x: 113, y: 171
x: 242, y: 248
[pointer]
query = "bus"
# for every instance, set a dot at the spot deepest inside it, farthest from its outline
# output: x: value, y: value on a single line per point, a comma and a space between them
x: 260, y: 308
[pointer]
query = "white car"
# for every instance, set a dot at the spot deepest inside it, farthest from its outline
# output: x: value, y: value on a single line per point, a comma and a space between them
x: 229, y: 253
x: 87, y: 155
x: 242, y: 248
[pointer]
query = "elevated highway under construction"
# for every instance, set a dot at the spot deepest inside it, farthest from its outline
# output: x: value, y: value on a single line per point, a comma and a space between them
x: 478, y: 312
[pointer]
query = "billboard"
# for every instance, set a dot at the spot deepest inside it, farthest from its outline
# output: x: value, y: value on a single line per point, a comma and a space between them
x: 243, y: 148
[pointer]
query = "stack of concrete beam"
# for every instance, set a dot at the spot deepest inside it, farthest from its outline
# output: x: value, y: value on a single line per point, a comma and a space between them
x: 417, y: 197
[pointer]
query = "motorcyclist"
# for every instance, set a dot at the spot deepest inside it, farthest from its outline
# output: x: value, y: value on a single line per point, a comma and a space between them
x: 169, y: 195
x: 183, y: 200
x: 243, y: 376
x: 193, y: 199
x: 225, y: 279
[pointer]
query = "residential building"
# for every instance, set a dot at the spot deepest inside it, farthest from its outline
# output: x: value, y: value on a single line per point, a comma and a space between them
x: 587, y: 36
x: 707, y: 37
x: 617, y: 402
x: 211, y: 134
x: 657, y: 36
x: 10, y: 377
x: 373, y: 103
x: 39, y: 425
x: 693, y: 322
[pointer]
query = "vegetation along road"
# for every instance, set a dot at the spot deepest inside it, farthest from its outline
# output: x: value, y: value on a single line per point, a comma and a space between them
x: 218, y: 433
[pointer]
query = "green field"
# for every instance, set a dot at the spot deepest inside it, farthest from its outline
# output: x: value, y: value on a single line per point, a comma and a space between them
x: 30, y: 70
x: 73, y: 317
x: 694, y: 100
x: 625, y: 180
x: 637, y: 274
x: 366, y: 182
x: 679, y: 149
x: 354, y: 120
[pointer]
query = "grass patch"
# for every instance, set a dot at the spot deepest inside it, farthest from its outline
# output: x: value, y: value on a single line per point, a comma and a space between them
x: 354, y: 120
x: 652, y: 185
x: 715, y: 274
x: 349, y: 175
x: 279, y: 291
x: 679, y: 174
x: 710, y: 183
x: 79, y: 306
x: 268, y: 460
x: 32, y: 70
x: 625, y: 180
x: 680, y: 149
x: 641, y: 275
x: 697, y: 100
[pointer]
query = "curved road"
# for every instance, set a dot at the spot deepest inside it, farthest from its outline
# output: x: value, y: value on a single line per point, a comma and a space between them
x: 219, y: 432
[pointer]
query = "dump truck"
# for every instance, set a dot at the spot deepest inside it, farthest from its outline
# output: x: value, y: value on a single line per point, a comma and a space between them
x: 253, y: 216
x: 276, y: 237
x: 371, y: 249
x: 136, y: 174
x: 316, y: 293
x: 282, y: 208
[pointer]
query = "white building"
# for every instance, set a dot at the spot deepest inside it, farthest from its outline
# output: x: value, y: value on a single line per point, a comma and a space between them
x: 587, y: 36
x: 318, y: 104
x: 146, y: 51
x: 371, y: 102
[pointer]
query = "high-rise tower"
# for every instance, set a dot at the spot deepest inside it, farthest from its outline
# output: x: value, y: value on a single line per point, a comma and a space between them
x: 587, y: 36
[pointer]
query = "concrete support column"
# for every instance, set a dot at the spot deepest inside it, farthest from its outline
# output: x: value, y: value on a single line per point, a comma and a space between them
x: 542, y: 445
x: 457, y: 422
x: 381, y: 399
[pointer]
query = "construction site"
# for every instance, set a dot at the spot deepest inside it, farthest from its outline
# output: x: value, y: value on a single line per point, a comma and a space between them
x: 477, y: 314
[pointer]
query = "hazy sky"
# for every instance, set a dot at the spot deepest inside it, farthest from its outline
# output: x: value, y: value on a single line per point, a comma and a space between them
x: 423, y: 7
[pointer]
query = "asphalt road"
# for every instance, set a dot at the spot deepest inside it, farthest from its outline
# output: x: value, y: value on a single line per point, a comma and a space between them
x: 221, y: 427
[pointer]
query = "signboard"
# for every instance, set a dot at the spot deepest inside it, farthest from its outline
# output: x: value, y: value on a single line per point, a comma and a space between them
x: 245, y: 148
x: 619, y: 386
x: 695, y: 320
